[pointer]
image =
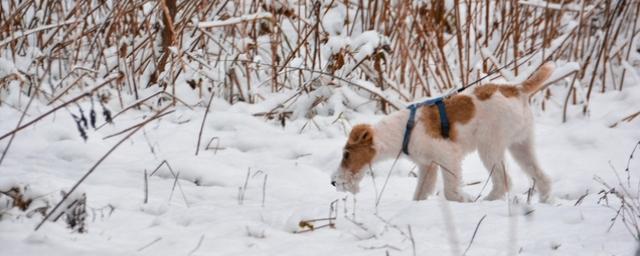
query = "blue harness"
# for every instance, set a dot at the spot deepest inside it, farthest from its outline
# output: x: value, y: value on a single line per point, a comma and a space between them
x: 444, y: 121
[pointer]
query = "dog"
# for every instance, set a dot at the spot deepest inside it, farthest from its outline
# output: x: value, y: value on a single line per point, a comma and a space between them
x: 491, y: 119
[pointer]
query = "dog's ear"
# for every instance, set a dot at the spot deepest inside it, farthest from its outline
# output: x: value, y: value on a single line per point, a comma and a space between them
x: 361, y: 134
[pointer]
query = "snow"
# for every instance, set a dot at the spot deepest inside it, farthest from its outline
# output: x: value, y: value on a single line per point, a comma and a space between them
x: 333, y: 20
x: 296, y: 162
x: 564, y: 69
x: 549, y: 5
x: 255, y: 179
x: 7, y: 68
x: 234, y: 20
x: 365, y: 44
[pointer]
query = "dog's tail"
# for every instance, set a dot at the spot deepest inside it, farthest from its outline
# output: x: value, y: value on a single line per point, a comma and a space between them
x: 536, y: 80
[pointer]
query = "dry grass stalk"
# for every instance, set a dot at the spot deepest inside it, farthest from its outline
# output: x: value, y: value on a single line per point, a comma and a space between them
x: 475, y: 231
x: 204, y: 119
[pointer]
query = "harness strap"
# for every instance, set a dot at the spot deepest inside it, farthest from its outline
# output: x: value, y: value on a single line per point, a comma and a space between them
x: 444, y: 121
x: 407, y: 131
x: 411, y: 122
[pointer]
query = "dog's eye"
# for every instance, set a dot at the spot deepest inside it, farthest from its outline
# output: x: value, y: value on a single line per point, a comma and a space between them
x: 345, y: 155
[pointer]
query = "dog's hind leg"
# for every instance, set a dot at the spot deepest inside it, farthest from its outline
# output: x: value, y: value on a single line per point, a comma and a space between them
x: 525, y: 156
x: 492, y: 156
x: 427, y: 177
x: 452, y: 177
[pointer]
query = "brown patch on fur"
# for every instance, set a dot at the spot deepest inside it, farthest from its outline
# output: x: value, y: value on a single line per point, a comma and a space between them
x: 509, y: 91
x: 484, y: 92
x: 359, y: 150
x: 460, y: 110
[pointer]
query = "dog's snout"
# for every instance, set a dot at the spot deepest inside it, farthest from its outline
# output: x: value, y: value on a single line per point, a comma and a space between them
x: 333, y: 183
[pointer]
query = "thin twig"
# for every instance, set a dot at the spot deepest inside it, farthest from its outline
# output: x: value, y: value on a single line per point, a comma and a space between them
x: 264, y: 189
x: 136, y: 126
x: 485, y: 184
x: 150, y: 244
x: 206, y: 111
x: 175, y: 182
x: 474, y: 234
x: 413, y: 241
x: 242, y: 190
x: 174, y: 175
x: 146, y: 187
x: 379, y: 197
x: 198, y: 245
x: 24, y: 113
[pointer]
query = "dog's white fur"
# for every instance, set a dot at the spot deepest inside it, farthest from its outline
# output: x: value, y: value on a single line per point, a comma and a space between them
x: 500, y: 124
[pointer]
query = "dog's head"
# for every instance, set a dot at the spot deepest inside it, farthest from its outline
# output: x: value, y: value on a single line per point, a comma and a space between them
x: 357, y: 155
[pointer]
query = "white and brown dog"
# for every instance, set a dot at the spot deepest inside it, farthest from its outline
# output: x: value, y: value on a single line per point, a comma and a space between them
x: 491, y: 119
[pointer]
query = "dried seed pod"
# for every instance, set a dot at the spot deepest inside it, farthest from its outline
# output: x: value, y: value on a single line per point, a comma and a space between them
x: 76, y: 215
x: 17, y: 194
x: 305, y: 224
x: 78, y: 120
x: 192, y: 83
x: 83, y: 120
x: 83, y: 133
x: 107, y: 115
x: 92, y: 114
x: 92, y: 118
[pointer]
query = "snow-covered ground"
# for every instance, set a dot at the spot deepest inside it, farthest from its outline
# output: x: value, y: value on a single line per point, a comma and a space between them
x: 289, y: 182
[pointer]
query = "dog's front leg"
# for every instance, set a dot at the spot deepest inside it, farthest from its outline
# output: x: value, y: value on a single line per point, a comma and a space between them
x: 426, y: 184
x: 452, y: 176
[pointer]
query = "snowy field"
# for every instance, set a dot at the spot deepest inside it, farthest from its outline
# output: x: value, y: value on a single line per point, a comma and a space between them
x: 289, y: 182
x: 286, y: 81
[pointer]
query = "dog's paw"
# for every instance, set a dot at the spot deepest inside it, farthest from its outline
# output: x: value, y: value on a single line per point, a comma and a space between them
x: 419, y: 197
x: 493, y: 197
x: 547, y: 199
x: 458, y: 196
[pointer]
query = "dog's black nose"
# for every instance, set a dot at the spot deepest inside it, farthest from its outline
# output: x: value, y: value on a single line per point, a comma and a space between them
x: 333, y: 183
